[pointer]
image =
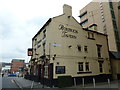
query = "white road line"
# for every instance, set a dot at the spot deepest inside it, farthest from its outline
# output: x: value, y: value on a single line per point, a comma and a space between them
x: 17, y: 83
x: 12, y: 81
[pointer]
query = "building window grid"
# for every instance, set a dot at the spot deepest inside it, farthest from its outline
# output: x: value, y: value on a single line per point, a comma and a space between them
x: 105, y: 29
x: 111, y: 5
x: 113, y: 15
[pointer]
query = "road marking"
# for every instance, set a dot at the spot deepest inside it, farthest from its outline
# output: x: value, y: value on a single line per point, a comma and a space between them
x: 12, y: 81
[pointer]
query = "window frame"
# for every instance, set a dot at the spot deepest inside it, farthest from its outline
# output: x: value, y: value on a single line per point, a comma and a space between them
x: 80, y: 66
x: 60, y: 70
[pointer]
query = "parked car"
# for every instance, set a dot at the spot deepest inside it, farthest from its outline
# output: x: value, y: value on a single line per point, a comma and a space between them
x: 12, y: 75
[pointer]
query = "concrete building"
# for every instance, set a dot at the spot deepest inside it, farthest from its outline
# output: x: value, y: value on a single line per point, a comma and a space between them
x: 106, y: 16
x: 17, y: 65
x: 63, y: 48
x: 106, y: 19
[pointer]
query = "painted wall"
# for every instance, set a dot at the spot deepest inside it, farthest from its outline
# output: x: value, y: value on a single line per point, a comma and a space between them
x: 63, y: 35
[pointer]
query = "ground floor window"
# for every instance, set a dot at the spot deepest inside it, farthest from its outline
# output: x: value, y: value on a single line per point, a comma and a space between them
x: 60, y: 69
x: 46, y: 70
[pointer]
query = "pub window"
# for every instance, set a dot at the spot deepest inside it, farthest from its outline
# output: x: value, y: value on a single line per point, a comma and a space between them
x: 80, y: 66
x: 85, y: 48
x: 60, y: 69
x: 46, y: 70
x: 87, y: 66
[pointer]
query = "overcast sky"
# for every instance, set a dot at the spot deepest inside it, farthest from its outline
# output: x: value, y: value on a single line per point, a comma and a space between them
x: 20, y: 20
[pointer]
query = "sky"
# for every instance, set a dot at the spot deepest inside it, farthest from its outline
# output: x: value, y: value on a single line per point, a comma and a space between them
x: 20, y: 20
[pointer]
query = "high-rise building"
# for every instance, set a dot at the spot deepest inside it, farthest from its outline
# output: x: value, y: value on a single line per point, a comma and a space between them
x: 106, y: 17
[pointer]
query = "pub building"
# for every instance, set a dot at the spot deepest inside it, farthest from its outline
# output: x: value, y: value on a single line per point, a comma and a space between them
x: 63, y: 48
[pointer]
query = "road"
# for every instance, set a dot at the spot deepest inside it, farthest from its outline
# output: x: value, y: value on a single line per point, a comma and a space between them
x: 8, y: 82
x: 19, y: 83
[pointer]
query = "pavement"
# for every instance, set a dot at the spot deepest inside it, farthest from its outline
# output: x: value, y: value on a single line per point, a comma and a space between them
x: 25, y: 83
x: 111, y: 85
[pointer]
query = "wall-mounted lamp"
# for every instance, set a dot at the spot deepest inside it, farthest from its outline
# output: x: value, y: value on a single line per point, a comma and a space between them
x: 69, y: 16
x: 69, y: 46
x: 54, y: 56
x: 85, y: 57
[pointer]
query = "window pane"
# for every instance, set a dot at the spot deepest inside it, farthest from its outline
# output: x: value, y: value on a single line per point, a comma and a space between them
x: 100, y: 66
x: 79, y: 47
x: 85, y: 48
x: 60, y: 69
x: 80, y: 66
x: 87, y: 66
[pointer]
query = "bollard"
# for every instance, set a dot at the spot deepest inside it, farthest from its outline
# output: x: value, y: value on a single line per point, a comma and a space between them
x: 94, y: 82
x: 74, y: 82
x: 83, y: 82
x: 108, y: 83
x: 32, y: 84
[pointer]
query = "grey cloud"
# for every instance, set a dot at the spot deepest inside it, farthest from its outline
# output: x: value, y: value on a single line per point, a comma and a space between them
x: 17, y: 35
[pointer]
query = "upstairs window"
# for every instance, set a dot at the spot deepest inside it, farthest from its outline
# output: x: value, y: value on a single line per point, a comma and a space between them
x: 44, y: 34
x: 79, y: 48
x: 99, y: 50
x: 91, y: 35
x: 85, y: 48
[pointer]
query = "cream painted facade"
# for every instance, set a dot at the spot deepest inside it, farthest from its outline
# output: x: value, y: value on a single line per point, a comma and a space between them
x: 105, y: 15
x: 70, y: 49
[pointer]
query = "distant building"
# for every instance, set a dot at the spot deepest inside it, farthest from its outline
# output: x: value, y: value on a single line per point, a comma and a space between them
x: 106, y: 19
x: 62, y: 48
x: 106, y: 15
x: 17, y: 65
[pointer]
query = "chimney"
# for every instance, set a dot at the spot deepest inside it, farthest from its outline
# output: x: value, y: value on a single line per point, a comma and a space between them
x: 67, y: 10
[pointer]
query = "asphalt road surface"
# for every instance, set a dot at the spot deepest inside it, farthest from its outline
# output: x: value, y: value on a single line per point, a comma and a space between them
x: 8, y: 82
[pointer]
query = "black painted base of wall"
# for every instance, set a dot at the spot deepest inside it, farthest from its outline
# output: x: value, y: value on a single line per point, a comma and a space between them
x: 118, y: 76
x: 87, y: 79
